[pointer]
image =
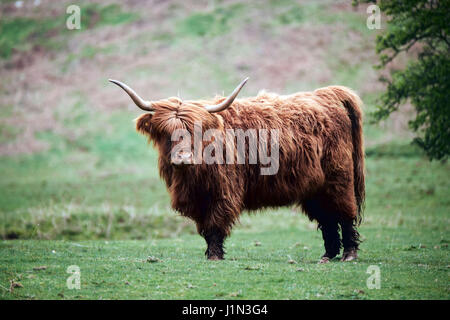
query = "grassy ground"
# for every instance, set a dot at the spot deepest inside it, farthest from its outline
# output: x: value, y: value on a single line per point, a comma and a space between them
x: 80, y: 187
x: 408, y: 240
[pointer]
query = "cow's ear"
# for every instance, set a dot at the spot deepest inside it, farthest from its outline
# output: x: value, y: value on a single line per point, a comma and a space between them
x: 143, y: 123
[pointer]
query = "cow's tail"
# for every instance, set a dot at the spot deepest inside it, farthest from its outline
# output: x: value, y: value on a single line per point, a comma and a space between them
x: 353, y: 104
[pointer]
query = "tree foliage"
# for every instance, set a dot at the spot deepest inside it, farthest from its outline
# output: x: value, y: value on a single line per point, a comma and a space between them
x: 425, y: 81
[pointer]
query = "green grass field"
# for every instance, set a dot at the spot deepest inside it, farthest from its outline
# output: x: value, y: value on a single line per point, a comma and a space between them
x: 270, y: 255
x: 83, y: 188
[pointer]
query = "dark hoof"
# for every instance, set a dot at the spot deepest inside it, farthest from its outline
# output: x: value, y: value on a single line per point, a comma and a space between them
x: 324, y: 260
x: 215, y: 258
x: 349, y: 255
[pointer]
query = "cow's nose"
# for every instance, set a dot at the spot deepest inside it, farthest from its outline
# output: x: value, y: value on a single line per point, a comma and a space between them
x: 182, y: 158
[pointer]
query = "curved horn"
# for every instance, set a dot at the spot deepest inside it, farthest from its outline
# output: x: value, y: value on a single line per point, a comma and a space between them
x: 228, y: 101
x: 141, y: 103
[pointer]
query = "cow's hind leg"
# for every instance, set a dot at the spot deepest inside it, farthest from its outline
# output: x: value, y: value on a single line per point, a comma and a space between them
x: 329, y: 226
x: 331, y: 238
x: 350, y: 240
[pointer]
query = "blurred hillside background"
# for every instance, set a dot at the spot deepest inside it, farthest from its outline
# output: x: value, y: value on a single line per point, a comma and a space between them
x: 73, y: 168
x: 72, y: 164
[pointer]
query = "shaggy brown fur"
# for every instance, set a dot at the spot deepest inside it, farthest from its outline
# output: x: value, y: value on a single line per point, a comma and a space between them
x: 321, y: 163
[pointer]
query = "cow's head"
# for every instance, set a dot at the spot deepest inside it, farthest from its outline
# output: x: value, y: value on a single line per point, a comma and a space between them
x: 164, y: 117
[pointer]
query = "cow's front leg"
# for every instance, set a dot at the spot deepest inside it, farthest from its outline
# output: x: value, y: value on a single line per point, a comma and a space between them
x: 214, y: 239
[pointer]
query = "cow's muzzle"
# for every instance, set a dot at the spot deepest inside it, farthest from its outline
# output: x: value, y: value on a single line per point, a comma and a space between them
x: 181, y: 158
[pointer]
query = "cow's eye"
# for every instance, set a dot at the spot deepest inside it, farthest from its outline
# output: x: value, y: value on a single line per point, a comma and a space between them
x: 168, y: 144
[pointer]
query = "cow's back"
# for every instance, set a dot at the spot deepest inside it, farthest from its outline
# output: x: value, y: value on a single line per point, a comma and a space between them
x: 310, y: 132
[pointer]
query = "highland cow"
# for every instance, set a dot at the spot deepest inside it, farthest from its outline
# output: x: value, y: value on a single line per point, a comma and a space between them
x: 320, y: 164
